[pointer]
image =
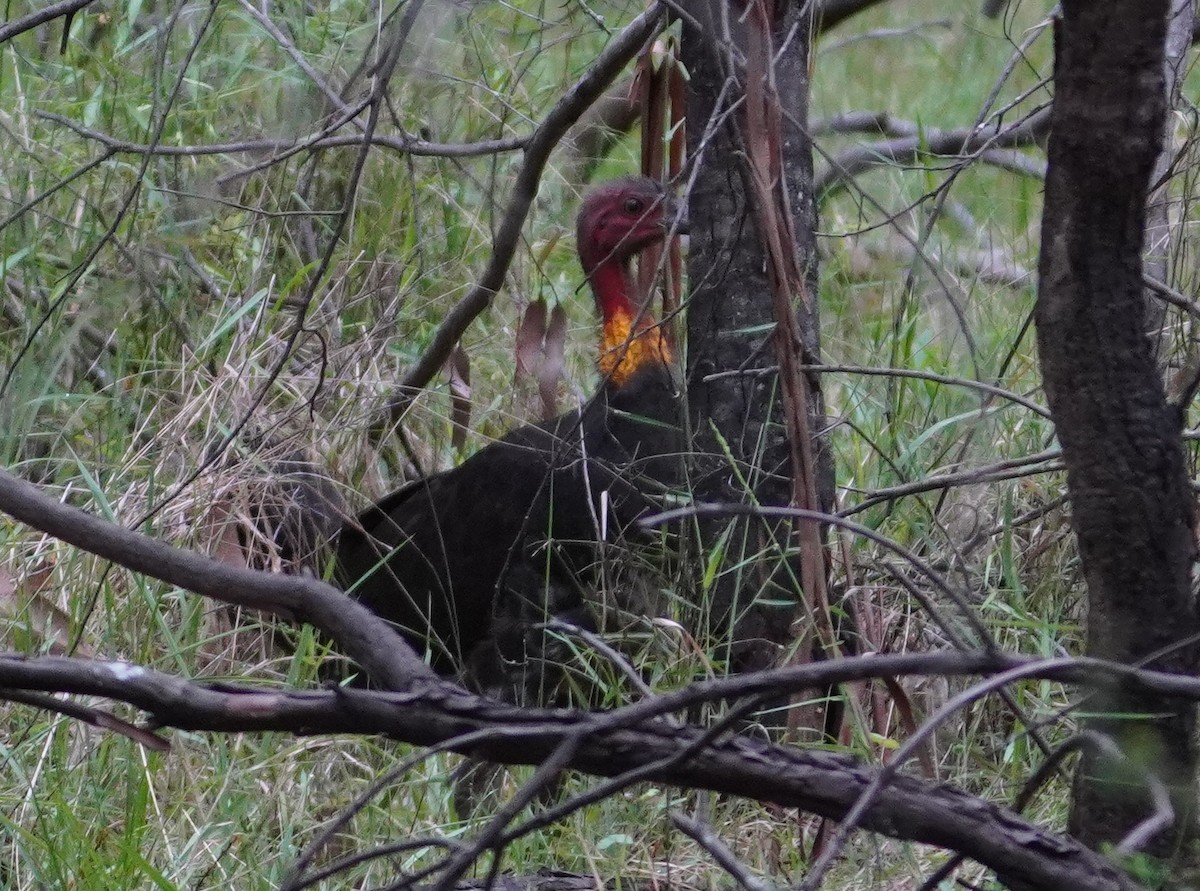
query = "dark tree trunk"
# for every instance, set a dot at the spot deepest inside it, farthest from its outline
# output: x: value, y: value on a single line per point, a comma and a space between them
x: 1132, y: 508
x: 730, y: 322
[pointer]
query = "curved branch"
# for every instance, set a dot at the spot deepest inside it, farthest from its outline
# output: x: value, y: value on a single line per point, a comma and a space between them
x: 831, y: 13
x: 1010, y: 468
x: 66, y: 8
x: 368, y: 639
x: 537, y: 152
x: 883, y: 371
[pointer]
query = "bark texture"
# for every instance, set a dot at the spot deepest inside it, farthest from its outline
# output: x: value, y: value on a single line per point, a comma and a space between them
x: 737, y: 422
x: 1132, y: 508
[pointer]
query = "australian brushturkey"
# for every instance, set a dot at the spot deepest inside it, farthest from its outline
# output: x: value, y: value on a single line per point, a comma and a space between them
x: 468, y: 561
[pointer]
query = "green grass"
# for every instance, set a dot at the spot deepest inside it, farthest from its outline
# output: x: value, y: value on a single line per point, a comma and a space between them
x: 135, y: 371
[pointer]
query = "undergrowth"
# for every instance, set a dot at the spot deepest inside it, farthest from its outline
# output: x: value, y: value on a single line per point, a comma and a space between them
x: 148, y: 378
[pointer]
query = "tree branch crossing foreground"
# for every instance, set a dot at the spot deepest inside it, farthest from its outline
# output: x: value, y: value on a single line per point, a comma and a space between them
x: 634, y: 743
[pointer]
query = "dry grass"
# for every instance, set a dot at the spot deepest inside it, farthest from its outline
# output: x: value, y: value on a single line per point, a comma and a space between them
x: 175, y: 335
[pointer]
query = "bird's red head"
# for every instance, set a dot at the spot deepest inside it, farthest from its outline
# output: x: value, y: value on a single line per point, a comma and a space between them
x: 617, y: 221
x: 620, y: 219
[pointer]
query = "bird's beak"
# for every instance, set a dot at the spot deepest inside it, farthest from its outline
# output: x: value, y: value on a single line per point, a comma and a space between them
x: 675, y: 220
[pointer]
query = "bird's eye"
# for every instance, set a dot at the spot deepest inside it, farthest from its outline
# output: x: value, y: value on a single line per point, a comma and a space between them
x: 634, y: 205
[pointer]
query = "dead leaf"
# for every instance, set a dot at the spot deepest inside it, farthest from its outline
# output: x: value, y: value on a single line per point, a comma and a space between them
x: 25, y: 602
x: 553, y: 360
x: 459, y: 368
x: 908, y: 720
x: 540, y: 348
x: 227, y: 545
x: 531, y: 335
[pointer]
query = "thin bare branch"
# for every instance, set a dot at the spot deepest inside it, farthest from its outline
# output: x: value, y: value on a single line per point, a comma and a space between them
x: 916, y: 374
x: 703, y: 835
x: 1010, y: 468
x: 63, y: 8
x: 906, y: 148
x: 579, y: 97
x: 280, y: 148
x: 267, y: 24
x: 160, y: 122
x: 982, y: 634
x: 911, y: 746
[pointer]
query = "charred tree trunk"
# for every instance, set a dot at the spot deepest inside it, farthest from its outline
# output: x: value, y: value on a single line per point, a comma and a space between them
x: 740, y: 434
x: 1132, y: 508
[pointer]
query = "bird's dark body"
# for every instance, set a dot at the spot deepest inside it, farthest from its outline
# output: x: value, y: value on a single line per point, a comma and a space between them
x: 460, y: 561
x: 469, y: 562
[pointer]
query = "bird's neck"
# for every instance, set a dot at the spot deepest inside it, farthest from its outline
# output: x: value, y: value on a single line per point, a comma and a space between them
x: 629, y: 340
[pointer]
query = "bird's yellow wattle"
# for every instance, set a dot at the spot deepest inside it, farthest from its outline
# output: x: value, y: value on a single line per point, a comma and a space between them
x: 624, y: 350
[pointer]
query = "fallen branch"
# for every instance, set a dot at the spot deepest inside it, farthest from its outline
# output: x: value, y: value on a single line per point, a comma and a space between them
x: 634, y: 738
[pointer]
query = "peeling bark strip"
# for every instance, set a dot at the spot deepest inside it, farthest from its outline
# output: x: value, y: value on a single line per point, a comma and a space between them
x: 762, y: 137
x: 1131, y: 504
